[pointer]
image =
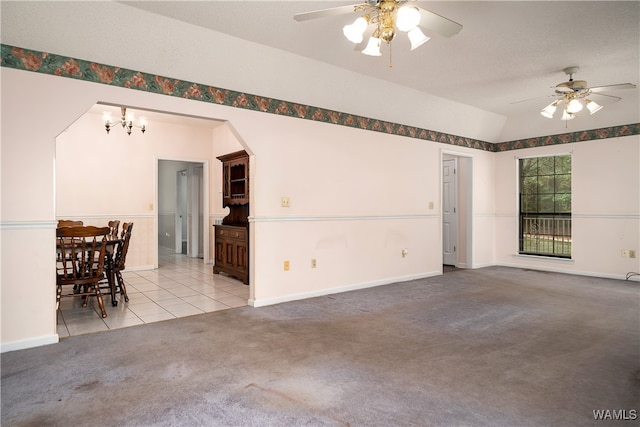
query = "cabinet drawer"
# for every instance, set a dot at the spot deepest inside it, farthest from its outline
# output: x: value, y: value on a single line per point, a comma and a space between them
x: 232, y: 232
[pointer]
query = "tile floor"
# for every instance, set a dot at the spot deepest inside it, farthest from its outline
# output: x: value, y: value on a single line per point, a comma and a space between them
x: 180, y: 287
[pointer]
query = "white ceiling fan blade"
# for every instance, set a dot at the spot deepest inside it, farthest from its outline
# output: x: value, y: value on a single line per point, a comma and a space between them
x: 533, y: 99
x: 439, y: 24
x: 617, y: 98
x: 612, y: 87
x: 334, y: 11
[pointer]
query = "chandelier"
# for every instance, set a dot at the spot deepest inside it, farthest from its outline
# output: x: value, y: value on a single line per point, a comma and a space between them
x: 126, y: 120
x: 385, y: 19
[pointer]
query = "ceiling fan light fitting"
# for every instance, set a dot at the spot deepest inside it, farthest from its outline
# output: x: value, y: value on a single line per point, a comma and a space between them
x: 373, y: 47
x: 417, y: 38
x: 574, y: 106
x: 592, y: 106
x: 355, y: 31
x: 549, y: 110
x: 407, y: 18
x: 567, y: 115
x: 387, y: 34
x: 387, y: 17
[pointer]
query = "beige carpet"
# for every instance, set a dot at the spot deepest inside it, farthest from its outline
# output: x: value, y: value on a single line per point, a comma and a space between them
x: 488, y: 347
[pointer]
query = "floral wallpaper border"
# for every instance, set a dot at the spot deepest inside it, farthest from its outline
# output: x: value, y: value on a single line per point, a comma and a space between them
x: 47, y: 63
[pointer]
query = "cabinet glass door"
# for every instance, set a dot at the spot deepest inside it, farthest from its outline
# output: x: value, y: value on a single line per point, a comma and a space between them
x: 237, y: 181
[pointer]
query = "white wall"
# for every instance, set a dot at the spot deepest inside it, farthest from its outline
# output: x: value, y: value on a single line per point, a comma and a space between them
x: 605, y: 207
x: 356, y: 200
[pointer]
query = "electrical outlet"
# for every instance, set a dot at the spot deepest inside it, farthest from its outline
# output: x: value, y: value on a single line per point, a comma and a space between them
x: 313, y: 263
x: 284, y: 202
x: 286, y: 265
x: 430, y: 205
x: 624, y: 253
x: 405, y: 252
x: 632, y: 253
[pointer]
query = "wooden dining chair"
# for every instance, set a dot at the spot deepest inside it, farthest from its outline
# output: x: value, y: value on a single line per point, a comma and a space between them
x: 81, y: 266
x: 69, y: 223
x: 113, y: 281
x: 121, y: 257
x: 114, y: 226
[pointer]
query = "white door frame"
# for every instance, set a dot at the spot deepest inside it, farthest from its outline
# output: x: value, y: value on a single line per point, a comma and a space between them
x: 465, y: 211
x: 181, y: 219
x: 205, y: 204
x: 196, y: 229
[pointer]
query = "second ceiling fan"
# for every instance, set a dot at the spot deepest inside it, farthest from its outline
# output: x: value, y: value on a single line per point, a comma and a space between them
x: 573, y: 95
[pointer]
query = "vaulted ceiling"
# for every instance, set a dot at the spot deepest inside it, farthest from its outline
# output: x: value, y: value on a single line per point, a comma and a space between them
x: 507, y: 51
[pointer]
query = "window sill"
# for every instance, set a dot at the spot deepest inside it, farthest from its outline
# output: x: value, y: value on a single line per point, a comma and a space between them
x: 545, y: 258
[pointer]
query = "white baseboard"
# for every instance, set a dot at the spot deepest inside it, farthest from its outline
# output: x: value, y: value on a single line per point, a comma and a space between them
x: 262, y: 302
x: 566, y: 271
x: 29, y: 342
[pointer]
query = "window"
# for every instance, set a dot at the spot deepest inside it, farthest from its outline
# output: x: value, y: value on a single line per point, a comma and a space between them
x: 545, y: 206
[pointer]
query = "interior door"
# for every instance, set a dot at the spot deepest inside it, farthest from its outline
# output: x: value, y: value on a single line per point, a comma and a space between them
x: 182, y: 197
x: 196, y: 247
x: 449, y: 212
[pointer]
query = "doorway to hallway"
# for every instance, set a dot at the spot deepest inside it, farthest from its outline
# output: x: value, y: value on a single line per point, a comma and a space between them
x: 181, y: 196
x: 457, y: 208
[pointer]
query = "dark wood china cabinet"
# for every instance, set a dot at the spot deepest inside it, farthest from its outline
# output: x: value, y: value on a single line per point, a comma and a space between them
x: 232, y: 236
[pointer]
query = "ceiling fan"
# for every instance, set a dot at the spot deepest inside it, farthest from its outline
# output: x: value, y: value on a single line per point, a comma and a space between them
x: 574, y: 95
x: 382, y: 19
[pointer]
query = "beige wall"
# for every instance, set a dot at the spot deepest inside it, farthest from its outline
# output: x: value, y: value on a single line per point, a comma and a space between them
x: 357, y: 199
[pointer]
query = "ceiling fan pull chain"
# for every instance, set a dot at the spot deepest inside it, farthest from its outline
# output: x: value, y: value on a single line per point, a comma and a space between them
x: 390, y: 62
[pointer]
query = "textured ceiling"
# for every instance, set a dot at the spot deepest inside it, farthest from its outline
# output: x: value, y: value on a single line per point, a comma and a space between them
x: 506, y: 52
